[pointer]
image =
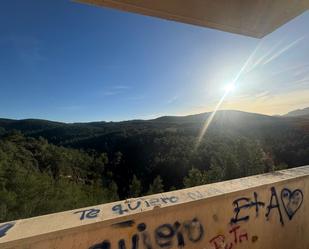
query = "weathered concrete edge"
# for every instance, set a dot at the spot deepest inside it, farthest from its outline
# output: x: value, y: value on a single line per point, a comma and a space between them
x: 247, y: 183
x: 167, y: 15
x: 174, y: 17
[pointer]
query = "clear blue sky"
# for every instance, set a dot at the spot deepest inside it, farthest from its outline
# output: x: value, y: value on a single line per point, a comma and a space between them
x: 69, y: 62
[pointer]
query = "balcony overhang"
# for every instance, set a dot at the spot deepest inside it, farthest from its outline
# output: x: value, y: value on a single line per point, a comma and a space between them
x: 255, y: 18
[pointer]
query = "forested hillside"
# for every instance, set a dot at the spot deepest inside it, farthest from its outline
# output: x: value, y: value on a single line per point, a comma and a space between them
x: 50, y: 166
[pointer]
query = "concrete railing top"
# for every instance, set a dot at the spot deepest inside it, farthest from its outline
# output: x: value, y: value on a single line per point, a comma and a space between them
x: 179, y: 218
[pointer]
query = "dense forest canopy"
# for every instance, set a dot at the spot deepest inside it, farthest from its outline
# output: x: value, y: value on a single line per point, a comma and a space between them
x: 50, y: 166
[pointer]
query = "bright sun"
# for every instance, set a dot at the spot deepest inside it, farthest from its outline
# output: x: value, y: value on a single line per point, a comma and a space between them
x: 229, y: 87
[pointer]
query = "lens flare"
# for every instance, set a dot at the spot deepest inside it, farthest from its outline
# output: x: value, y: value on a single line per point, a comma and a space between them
x: 229, y: 87
x: 271, y: 55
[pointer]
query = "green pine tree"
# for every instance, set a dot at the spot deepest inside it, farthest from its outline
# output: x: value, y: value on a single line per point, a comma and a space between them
x: 195, y: 177
x: 156, y: 186
x: 135, y: 188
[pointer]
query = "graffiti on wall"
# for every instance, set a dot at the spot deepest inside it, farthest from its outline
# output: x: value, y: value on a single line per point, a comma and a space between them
x: 164, y: 236
x: 127, y: 206
x: 136, y: 204
x: 283, y: 205
x: 235, y: 236
x: 5, y: 228
x: 291, y: 202
x: 88, y: 213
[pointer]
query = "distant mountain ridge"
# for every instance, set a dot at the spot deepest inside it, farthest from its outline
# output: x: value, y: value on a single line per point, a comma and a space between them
x: 231, y: 116
x: 221, y: 115
x: 299, y: 112
x: 231, y: 121
x: 199, y: 117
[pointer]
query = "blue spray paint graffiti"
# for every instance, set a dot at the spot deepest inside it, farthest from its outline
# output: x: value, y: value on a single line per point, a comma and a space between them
x: 165, y: 236
x: 126, y: 207
x: 88, y: 214
x: 246, y: 203
x: 291, y: 201
x: 4, y: 228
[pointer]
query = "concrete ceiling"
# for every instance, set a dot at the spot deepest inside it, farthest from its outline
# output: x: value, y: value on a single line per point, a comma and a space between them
x: 255, y: 18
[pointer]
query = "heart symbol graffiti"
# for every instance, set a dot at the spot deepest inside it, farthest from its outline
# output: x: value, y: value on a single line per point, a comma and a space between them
x: 292, y: 201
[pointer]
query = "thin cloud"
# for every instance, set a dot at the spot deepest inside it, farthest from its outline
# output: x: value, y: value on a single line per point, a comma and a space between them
x: 296, y: 70
x: 173, y: 99
x: 115, y: 90
x: 111, y: 93
x: 262, y: 94
x: 121, y: 87
x: 140, y: 97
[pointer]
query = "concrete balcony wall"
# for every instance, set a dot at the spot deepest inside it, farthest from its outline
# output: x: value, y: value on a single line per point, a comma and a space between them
x: 263, y: 211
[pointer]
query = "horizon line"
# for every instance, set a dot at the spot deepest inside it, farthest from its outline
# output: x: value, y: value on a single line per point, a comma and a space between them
x: 145, y: 119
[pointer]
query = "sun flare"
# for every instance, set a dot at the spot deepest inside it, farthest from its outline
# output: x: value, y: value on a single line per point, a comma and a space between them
x: 229, y: 87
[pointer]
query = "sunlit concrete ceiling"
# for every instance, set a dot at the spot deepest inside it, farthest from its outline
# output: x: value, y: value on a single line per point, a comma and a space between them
x: 255, y: 18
